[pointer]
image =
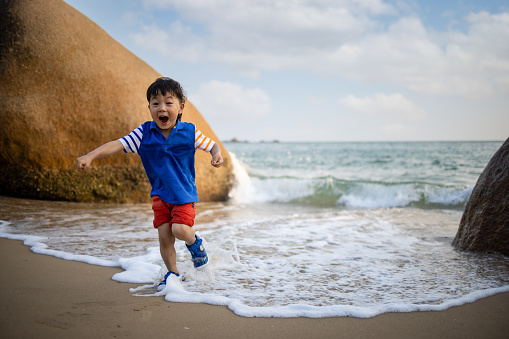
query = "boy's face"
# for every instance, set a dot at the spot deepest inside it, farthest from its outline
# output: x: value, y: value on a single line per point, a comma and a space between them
x: 164, y: 110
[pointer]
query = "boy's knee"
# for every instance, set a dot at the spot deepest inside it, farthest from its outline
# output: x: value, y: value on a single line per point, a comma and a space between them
x: 165, y: 232
x: 182, y: 232
x: 178, y: 229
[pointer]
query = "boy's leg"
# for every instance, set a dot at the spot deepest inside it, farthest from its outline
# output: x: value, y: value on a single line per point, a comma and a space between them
x: 182, y: 222
x: 167, y: 247
x: 193, y: 243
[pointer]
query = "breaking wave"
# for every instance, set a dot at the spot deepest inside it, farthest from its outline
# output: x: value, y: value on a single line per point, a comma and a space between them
x: 330, y: 191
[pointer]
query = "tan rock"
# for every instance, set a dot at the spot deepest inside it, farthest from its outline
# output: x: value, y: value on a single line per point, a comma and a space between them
x: 67, y: 87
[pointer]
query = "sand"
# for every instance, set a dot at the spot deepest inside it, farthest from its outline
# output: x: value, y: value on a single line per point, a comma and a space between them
x: 47, y: 297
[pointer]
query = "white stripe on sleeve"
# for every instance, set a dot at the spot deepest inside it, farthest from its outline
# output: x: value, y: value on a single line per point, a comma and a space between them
x: 202, y: 142
x: 132, y: 141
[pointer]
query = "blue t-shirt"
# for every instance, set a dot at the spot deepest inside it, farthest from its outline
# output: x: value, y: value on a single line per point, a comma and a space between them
x: 168, y: 163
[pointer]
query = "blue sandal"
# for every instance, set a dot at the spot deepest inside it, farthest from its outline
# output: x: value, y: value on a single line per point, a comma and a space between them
x: 198, y: 254
x: 162, y: 284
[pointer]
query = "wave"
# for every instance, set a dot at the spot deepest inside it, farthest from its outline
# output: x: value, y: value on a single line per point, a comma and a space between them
x: 330, y: 191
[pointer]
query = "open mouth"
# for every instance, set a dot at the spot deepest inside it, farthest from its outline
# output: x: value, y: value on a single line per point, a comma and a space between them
x: 164, y: 120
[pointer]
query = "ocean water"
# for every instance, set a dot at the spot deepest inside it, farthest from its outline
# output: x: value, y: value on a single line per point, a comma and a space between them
x: 311, y: 229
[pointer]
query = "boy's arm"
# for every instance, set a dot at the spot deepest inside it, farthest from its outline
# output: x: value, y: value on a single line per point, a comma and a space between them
x: 105, y: 150
x: 217, y: 158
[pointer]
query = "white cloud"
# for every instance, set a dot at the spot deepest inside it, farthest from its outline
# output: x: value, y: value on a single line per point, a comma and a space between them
x: 341, y: 38
x: 394, y: 106
x: 236, y: 29
x: 487, y: 45
x: 431, y: 64
x: 227, y: 101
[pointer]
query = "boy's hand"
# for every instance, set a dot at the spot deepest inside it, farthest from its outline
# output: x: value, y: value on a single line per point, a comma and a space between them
x: 217, y: 160
x: 83, y: 162
x: 105, y: 150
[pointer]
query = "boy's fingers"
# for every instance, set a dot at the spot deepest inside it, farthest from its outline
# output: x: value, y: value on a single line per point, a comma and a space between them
x: 80, y: 165
x: 217, y: 163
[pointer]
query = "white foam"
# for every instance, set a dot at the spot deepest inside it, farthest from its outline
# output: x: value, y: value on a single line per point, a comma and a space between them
x: 242, y: 189
x: 175, y: 292
x: 450, y: 195
x: 37, y: 245
x: 379, y: 196
x: 140, y: 269
x: 375, y: 195
x: 251, y: 189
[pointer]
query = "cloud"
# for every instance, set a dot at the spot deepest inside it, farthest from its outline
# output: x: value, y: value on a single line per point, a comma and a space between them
x: 473, y: 65
x: 395, y: 107
x: 270, y: 34
x: 229, y: 101
x: 339, y: 38
x: 177, y: 42
x: 486, y: 46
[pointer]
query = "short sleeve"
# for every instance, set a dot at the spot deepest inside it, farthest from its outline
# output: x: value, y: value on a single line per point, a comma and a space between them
x: 132, y: 141
x: 202, y: 142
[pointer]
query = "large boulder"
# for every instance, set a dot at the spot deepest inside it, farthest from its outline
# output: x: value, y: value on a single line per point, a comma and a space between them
x: 484, y: 225
x: 67, y: 87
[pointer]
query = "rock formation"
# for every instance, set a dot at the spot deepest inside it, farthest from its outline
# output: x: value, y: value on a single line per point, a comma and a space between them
x: 67, y: 87
x: 484, y: 225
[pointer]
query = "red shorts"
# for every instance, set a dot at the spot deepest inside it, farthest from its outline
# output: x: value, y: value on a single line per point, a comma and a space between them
x: 171, y: 213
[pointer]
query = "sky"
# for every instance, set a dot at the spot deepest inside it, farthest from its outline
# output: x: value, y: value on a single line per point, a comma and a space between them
x: 327, y: 70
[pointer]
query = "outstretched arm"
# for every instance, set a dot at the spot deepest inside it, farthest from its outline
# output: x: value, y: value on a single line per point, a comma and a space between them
x: 217, y: 158
x: 105, y: 150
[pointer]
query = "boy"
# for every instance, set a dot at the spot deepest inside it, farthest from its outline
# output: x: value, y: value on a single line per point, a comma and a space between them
x: 166, y: 147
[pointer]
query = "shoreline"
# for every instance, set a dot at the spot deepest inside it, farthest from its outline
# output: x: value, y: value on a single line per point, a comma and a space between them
x: 47, y: 297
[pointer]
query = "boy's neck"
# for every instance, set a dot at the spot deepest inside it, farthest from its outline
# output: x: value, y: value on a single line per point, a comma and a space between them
x: 166, y: 132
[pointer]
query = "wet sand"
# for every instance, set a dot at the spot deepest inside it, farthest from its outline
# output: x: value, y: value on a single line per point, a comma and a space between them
x: 47, y: 297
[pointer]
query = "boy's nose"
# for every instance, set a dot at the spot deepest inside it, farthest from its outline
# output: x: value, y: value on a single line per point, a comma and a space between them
x: 162, y: 108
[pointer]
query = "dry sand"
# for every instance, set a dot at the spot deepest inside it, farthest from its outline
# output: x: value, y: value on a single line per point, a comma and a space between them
x: 47, y: 297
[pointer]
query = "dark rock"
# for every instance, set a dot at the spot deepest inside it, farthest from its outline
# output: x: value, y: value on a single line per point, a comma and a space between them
x: 484, y: 225
x: 67, y: 87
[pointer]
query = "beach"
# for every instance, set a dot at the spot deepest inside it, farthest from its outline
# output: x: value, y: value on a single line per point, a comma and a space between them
x: 48, y: 297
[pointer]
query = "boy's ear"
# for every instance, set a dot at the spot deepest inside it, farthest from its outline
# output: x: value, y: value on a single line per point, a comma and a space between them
x: 182, y: 105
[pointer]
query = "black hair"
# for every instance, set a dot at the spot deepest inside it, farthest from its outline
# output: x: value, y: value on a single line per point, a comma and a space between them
x: 166, y: 85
